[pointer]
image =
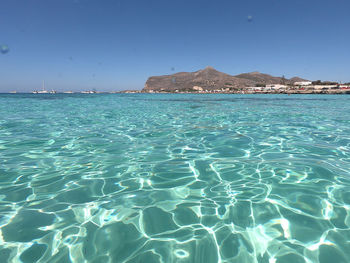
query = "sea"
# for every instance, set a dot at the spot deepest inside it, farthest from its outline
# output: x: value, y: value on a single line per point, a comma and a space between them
x: 204, y: 178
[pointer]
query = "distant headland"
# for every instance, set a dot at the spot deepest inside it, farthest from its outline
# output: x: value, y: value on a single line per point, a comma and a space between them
x: 209, y: 80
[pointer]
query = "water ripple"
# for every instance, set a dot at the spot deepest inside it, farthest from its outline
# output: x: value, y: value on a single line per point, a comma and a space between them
x: 174, y: 178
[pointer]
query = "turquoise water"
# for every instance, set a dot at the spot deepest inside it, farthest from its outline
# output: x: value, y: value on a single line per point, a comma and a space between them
x: 174, y: 178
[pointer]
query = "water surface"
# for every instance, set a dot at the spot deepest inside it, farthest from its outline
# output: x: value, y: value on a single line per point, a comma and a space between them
x: 174, y: 178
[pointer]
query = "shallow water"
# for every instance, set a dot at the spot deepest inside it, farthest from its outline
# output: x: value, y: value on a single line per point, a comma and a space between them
x: 174, y: 178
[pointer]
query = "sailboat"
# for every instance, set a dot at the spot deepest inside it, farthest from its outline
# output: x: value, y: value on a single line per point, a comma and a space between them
x: 43, y: 90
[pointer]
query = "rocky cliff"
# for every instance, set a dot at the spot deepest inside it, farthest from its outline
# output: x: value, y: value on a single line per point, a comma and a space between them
x: 210, y: 79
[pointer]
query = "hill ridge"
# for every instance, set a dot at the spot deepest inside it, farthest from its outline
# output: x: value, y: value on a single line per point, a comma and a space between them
x: 211, y: 79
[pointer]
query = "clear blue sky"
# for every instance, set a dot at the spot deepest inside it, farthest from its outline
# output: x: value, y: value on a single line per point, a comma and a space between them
x: 117, y: 44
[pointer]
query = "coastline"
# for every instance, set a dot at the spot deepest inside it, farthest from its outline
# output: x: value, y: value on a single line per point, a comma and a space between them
x: 336, y: 92
x: 324, y: 92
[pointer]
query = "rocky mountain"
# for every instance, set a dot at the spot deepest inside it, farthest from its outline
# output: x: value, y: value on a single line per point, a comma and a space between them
x: 210, y: 79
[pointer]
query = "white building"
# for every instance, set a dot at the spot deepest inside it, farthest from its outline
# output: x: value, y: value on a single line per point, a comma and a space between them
x: 254, y: 88
x: 197, y: 88
x: 275, y: 86
x: 302, y: 83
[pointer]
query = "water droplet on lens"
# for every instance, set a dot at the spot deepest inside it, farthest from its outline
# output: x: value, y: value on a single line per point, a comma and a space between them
x: 250, y: 18
x: 4, y: 49
x: 172, y: 68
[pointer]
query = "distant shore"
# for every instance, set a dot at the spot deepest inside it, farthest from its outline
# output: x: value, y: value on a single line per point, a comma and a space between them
x: 268, y: 89
x: 333, y: 92
x: 210, y: 80
x: 329, y: 92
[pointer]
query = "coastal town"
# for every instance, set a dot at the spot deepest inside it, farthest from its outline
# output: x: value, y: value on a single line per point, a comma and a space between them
x: 305, y: 87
